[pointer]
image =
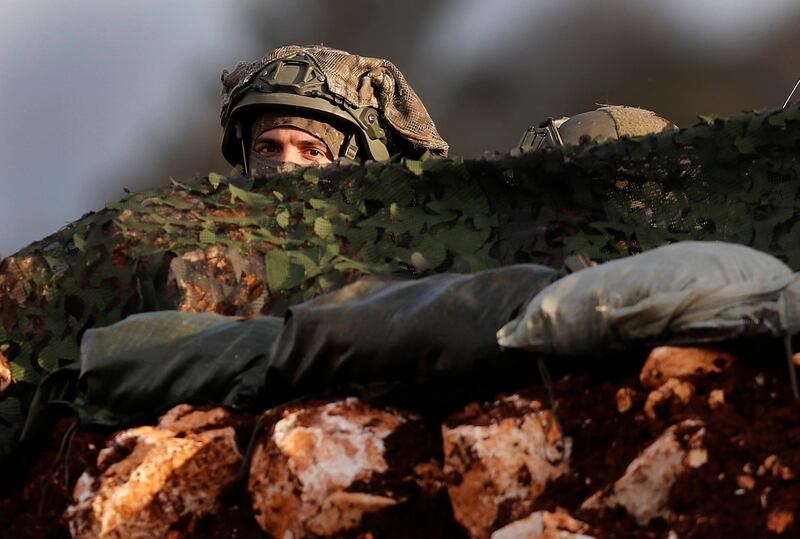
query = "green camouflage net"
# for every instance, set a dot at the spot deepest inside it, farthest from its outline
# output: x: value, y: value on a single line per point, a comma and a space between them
x: 234, y: 248
x: 238, y: 248
x: 734, y: 180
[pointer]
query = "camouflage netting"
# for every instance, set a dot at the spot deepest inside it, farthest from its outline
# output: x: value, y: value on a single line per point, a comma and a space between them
x: 238, y: 248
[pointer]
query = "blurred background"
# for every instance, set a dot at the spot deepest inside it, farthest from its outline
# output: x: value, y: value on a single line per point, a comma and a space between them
x: 98, y: 96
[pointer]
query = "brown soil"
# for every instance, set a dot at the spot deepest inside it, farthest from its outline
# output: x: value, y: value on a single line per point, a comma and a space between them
x: 750, y: 486
x: 759, y: 421
x: 31, y: 503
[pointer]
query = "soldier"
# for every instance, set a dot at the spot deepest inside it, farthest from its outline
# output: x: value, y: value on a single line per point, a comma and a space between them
x: 314, y: 105
x: 608, y: 122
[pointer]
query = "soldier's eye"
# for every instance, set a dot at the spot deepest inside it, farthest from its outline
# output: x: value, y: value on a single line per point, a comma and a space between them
x: 266, y: 147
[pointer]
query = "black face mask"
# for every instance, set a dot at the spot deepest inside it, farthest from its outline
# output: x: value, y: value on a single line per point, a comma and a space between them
x: 260, y: 167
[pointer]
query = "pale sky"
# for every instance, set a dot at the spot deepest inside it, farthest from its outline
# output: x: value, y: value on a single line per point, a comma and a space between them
x: 723, y: 26
x: 79, y: 86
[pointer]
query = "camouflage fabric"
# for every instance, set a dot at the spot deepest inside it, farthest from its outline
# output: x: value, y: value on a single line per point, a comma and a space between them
x: 232, y: 246
x: 732, y: 180
x: 239, y: 247
x: 332, y: 137
x: 359, y: 80
x: 612, y: 122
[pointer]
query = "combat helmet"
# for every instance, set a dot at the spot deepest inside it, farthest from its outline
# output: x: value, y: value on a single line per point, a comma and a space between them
x: 368, y: 99
x: 608, y: 122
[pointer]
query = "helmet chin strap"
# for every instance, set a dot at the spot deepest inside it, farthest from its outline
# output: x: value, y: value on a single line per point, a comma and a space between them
x: 240, y: 136
x: 349, y: 147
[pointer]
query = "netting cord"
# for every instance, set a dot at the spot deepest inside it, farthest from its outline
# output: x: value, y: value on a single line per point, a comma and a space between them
x: 63, y: 452
x: 787, y: 345
x: 551, y: 396
x: 788, y: 99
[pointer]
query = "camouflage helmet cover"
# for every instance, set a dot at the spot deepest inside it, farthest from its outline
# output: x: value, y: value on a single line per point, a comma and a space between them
x: 348, y: 88
x: 607, y: 122
x: 612, y: 122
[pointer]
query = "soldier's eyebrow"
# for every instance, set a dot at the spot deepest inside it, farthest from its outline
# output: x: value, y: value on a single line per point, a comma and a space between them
x: 264, y: 139
x: 266, y: 136
x: 316, y: 143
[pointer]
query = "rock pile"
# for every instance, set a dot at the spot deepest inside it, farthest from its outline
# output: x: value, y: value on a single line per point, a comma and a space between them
x: 697, y: 443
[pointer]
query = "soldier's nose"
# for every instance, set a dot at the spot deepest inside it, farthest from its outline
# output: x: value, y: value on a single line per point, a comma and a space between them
x: 284, y: 155
x: 290, y: 154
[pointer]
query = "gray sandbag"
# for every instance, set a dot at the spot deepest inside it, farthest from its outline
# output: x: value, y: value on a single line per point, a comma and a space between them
x: 688, y: 291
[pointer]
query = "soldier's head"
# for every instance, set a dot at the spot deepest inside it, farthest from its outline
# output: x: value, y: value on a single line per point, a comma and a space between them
x: 314, y: 105
x: 608, y: 122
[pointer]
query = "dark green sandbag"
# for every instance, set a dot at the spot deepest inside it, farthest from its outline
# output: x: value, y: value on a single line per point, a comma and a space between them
x: 142, y: 366
x: 439, y: 329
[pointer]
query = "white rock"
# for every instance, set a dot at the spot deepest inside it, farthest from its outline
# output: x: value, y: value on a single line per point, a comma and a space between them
x: 506, y: 462
x: 299, y: 477
x: 151, y: 478
x: 344, y: 511
x: 544, y: 525
x: 683, y: 363
x: 716, y: 399
x: 5, y: 374
x: 624, y: 399
x: 672, y: 391
x: 644, y: 488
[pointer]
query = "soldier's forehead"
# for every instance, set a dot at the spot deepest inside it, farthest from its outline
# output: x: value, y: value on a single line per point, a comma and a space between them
x: 290, y: 133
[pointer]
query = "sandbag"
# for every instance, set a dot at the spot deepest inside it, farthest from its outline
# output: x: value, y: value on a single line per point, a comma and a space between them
x: 688, y: 291
x: 370, y: 332
x: 142, y: 366
x: 440, y: 327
